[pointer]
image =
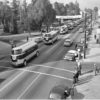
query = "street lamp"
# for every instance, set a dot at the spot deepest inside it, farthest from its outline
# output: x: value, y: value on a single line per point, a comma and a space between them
x: 91, y: 22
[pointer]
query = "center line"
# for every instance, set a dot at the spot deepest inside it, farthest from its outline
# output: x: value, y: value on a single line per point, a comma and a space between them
x: 29, y: 86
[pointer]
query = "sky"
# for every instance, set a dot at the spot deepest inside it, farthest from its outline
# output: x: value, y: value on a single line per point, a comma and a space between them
x: 83, y: 3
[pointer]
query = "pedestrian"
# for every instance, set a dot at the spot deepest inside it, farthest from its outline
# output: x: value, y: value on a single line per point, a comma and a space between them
x: 97, y: 41
x: 95, y: 69
x: 95, y: 36
x: 27, y: 38
x: 75, y: 77
x: 76, y: 46
x: 79, y: 67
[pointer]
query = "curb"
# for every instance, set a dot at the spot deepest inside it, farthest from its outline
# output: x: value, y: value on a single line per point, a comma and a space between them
x: 86, y: 72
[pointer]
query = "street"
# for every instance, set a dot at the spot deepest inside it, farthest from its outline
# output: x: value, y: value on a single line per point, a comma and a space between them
x: 41, y: 74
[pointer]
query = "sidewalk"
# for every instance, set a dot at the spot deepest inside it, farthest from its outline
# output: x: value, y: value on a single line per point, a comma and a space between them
x: 89, y: 86
x: 93, y: 51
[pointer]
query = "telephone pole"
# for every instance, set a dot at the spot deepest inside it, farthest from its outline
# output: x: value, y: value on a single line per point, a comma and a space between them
x: 91, y: 22
x: 85, y: 36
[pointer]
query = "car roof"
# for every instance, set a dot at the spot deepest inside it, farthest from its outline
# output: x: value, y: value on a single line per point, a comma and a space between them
x: 67, y: 39
x: 69, y: 54
x: 60, y: 89
x: 72, y: 51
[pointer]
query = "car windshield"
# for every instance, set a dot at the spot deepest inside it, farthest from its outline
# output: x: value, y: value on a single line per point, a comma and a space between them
x: 69, y: 54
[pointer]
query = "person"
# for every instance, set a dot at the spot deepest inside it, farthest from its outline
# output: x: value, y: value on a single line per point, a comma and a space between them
x: 97, y: 41
x: 76, y: 46
x: 79, y: 67
x: 95, y: 36
x: 27, y: 38
x: 96, y: 69
x: 75, y: 77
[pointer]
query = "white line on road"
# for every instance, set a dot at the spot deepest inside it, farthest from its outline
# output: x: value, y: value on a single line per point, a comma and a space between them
x: 6, y: 85
x: 52, y: 68
x: 48, y: 74
x: 29, y: 86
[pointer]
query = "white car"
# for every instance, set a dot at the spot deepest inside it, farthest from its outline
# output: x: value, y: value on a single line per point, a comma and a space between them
x: 71, y: 55
x: 74, y: 52
x: 68, y: 42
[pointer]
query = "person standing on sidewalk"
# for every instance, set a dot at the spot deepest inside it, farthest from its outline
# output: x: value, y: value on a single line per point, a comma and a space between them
x: 79, y: 67
x: 75, y: 77
x: 95, y: 69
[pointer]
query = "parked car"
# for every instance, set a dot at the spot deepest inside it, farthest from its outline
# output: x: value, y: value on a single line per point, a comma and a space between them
x: 69, y: 56
x: 74, y: 52
x: 38, y: 39
x: 81, y: 30
x: 68, y: 42
x: 63, y: 29
x: 60, y: 92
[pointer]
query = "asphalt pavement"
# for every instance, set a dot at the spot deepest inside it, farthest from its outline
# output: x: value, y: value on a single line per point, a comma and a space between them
x: 41, y: 74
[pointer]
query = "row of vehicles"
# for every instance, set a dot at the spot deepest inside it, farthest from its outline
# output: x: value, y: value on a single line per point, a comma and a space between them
x: 21, y: 54
x: 69, y: 25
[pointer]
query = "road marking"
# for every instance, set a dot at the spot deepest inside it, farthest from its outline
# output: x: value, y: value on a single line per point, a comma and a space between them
x: 29, y: 86
x: 36, y: 65
x: 52, y: 68
x: 10, y: 82
x: 47, y: 74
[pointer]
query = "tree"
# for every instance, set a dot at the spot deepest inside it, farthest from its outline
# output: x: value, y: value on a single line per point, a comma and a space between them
x: 68, y: 9
x: 38, y: 12
x: 96, y: 11
x: 77, y: 9
x: 49, y: 16
x: 15, y: 7
x: 59, y: 8
x: 24, y: 16
x: 5, y: 15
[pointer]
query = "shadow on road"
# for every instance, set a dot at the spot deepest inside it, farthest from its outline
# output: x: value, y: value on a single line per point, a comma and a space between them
x: 1, y: 80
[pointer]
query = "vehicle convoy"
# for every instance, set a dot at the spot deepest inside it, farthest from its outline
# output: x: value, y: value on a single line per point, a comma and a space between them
x: 21, y: 54
x: 68, y: 42
x: 60, y: 92
x: 50, y: 37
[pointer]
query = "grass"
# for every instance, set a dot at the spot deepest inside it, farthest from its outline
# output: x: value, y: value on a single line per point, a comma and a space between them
x: 18, y: 37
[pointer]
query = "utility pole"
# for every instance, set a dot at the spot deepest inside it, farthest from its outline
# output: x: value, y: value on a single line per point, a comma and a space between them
x: 91, y: 22
x: 85, y: 37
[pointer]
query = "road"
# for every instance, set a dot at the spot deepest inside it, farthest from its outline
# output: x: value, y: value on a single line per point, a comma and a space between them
x: 41, y: 74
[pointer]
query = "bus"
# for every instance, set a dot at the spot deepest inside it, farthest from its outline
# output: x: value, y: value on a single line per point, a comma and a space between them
x: 50, y: 37
x: 21, y: 54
